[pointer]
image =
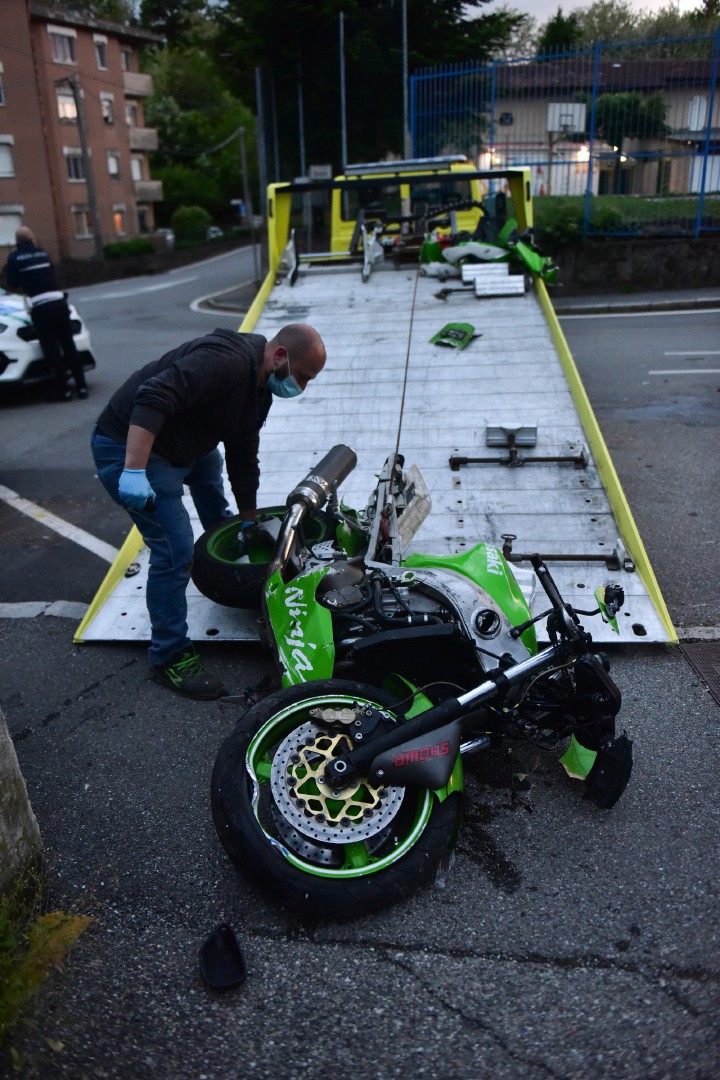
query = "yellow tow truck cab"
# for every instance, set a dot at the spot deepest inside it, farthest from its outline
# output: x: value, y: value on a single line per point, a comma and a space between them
x: 390, y: 201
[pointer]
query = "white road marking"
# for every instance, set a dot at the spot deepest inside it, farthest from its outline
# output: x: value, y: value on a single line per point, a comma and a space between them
x: 685, y: 371
x: 64, y: 528
x: 30, y: 609
x: 142, y: 289
x: 692, y: 352
x: 698, y: 633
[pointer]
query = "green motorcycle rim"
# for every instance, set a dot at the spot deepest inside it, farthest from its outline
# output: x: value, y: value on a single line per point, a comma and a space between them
x: 222, y: 543
x: 359, y: 857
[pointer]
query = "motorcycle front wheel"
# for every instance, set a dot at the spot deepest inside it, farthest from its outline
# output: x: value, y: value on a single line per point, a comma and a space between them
x: 330, y: 854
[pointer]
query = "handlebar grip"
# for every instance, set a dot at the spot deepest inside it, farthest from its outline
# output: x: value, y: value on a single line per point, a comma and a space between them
x: 317, y: 486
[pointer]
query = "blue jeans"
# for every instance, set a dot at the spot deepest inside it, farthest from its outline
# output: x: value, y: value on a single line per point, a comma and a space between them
x: 167, y: 531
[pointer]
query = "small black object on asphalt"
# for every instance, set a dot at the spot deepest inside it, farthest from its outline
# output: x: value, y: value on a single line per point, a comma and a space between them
x: 221, y: 961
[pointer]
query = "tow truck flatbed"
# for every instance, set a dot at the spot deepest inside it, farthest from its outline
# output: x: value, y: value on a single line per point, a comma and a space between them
x: 386, y: 387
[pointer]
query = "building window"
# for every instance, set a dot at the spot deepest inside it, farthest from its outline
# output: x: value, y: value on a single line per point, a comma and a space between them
x: 142, y: 216
x: 2, y: 88
x: 10, y: 221
x: 131, y: 114
x: 697, y: 113
x: 114, y: 164
x: 119, y: 220
x: 66, y: 106
x: 107, y: 104
x: 74, y: 164
x: 101, y: 51
x: 83, y: 224
x: 62, y: 45
x: 136, y: 169
x: 126, y: 60
x: 7, y: 166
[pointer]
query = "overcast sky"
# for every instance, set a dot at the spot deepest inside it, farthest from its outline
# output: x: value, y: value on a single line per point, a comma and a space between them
x: 543, y: 9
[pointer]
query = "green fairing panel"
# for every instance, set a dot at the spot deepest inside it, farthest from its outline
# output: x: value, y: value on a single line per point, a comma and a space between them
x: 301, y: 627
x: 487, y: 567
x: 578, y: 760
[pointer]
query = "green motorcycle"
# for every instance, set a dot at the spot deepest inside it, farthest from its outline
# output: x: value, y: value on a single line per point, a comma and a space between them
x: 341, y: 793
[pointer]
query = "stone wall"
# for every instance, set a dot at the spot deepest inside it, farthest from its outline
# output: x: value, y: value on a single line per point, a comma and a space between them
x: 20, y: 839
x: 612, y: 266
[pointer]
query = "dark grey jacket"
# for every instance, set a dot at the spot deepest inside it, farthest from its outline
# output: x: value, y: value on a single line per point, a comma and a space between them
x: 30, y: 271
x: 203, y: 393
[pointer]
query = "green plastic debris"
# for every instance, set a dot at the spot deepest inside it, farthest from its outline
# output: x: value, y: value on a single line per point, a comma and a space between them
x: 455, y: 335
x: 578, y: 760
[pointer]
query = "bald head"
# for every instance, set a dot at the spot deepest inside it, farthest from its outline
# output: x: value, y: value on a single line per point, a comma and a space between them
x: 24, y: 235
x: 297, y: 348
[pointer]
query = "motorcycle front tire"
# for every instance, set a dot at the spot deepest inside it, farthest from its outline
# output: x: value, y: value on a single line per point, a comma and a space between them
x: 221, y: 578
x: 314, y: 876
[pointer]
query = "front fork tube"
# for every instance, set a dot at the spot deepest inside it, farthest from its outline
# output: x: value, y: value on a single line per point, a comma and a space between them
x: 357, y: 762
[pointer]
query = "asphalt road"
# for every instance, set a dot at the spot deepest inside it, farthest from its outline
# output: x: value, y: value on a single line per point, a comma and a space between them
x: 565, y: 942
x: 654, y: 383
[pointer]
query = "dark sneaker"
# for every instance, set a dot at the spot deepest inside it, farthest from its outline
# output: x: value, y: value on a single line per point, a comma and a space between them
x: 186, y: 675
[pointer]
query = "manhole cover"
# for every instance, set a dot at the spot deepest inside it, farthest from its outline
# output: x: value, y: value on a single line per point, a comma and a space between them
x: 704, y: 658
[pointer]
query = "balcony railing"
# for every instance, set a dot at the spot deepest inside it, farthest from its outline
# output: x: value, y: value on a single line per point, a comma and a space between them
x: 149, y: 190
x: 137, y: 84
x: 142, y: 138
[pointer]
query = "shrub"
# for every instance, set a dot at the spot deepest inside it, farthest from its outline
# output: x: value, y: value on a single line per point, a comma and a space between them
x: 190, y: 224
x: 558, y: 221
x: 124, y: 249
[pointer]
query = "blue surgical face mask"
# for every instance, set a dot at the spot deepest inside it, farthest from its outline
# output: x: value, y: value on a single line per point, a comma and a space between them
x: 284, y: 388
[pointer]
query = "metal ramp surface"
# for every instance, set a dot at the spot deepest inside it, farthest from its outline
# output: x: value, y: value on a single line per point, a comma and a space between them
x: 384, y: 378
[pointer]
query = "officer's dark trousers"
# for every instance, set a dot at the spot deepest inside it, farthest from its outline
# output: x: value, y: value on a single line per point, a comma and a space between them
x: 52, y: 322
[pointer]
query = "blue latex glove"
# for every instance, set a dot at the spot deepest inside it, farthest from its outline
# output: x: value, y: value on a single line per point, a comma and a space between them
x: 135, y: 491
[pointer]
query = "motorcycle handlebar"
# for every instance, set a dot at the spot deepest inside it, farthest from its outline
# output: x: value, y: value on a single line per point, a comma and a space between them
x: 553, y: 595
x: 314, y: 491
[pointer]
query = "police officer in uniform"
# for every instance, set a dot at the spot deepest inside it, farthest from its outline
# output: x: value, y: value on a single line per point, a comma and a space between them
x: 30, y: 272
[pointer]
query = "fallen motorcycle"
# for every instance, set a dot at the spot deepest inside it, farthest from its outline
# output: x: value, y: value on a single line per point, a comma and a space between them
x: 341, y: 793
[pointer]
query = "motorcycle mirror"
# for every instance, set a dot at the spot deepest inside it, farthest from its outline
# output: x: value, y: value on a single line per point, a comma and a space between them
x: 609, y: 604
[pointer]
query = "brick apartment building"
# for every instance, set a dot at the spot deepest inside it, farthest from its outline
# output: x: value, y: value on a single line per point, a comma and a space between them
x: 71, y: 101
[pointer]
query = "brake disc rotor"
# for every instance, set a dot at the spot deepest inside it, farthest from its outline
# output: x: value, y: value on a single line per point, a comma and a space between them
x: 306, y: 802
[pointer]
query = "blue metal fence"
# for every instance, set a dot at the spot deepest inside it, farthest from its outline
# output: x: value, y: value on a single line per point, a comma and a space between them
x: 638, y: 119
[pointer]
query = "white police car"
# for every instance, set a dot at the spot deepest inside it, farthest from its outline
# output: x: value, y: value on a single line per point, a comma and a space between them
x: 21, y: 358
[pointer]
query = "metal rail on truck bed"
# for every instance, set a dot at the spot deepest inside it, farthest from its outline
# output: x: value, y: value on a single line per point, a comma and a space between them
x: 501, y: 430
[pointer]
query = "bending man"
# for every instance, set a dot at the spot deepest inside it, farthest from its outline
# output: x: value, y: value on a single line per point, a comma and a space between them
x: 161, y: 430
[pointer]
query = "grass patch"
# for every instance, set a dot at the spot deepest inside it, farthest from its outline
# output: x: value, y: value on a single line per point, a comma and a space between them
x: 31, y: 944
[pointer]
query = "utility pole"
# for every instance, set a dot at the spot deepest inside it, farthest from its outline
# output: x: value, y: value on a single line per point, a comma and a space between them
x: 77, y: 94
x: 260, y: 142
x: 248, y: 203
x: 343, y: 116
x: 407, y: 147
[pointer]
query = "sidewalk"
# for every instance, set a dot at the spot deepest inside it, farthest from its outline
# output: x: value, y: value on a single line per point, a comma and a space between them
x: 668, y: 300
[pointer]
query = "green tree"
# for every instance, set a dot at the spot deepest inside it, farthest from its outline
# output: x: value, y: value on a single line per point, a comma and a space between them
x: 197, y: 118
x: 560, y: 34
x: 117, y: 11
x: 177, y: 20
x: 297, y: 49
x: 619, y: 117
x: 608, y: 20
